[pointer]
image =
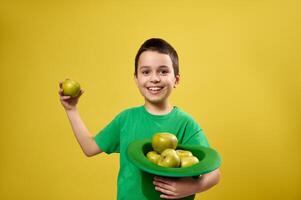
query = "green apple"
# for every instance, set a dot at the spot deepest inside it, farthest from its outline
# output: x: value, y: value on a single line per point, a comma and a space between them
x: 169, y: 158
x: 162, y: 141
x: 183, y: 153
x: 70, y: 88
x: 153, y: 156
x: 189, y: 161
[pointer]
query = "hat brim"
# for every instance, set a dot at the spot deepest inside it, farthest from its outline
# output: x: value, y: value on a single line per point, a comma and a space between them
x: 209, y: 160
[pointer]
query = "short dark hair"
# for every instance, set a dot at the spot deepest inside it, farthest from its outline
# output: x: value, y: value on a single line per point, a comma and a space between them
x: 161, y: 46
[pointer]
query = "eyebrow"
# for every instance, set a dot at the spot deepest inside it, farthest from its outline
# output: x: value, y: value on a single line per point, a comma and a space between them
x: 161, y: 66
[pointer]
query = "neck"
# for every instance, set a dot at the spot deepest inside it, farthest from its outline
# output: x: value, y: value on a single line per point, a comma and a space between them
x: 158, y: 109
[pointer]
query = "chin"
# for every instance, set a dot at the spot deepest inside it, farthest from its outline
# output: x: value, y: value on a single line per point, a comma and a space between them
x: 155, y: 101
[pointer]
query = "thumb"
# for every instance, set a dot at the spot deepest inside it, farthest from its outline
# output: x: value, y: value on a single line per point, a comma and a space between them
x: 81, y: 92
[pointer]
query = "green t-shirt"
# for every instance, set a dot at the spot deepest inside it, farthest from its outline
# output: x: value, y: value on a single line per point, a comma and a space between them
x: 135, y: 124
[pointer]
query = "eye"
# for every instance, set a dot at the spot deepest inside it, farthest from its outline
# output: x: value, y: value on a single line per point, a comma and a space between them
x: 164, y: 72
x: 145, y: 72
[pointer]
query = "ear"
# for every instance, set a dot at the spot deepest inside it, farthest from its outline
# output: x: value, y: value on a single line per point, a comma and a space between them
x: 177, y: 81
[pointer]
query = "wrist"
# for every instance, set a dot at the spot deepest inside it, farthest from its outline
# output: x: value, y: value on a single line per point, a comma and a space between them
x: 207, y: 181
x: 72, y: 110
x: 200, y: 183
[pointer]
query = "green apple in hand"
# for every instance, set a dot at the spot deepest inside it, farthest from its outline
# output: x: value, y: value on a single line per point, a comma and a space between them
x: 70, y: 88
x: 189, y: 161
x: 162, y: 141
x: 153, y: 156
x: 169, y: 158
x: 183, y: 153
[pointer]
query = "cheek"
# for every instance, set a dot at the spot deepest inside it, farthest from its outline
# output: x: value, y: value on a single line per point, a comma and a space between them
x: 171, y: 82
x: 141, y: 83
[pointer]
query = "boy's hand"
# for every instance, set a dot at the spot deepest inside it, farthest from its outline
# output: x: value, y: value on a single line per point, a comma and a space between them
x: 175, y: 188
x: 68, y: 102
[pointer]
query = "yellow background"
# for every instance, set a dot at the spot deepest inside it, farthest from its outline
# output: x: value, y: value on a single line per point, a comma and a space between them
x: 240, y: 67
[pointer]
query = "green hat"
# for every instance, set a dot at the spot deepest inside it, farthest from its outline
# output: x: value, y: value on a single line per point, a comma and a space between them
x: 209, y: 160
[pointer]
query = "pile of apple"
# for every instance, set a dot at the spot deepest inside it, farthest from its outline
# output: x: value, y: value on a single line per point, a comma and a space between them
x: 166, y: 154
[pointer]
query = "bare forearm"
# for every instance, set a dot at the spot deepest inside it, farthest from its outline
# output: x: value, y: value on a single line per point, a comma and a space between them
x: 208, y: 180
x: 82, y: 134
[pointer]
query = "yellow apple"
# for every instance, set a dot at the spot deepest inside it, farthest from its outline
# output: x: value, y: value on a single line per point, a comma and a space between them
x: 70, y: 88
x: 153, y: 156
x: 169, y: 158
x: 162, y: 141
x: 183, y: 153
x: 189, y: 161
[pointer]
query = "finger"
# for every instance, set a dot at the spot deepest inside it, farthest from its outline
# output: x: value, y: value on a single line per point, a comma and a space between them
x: 65, y: 97
x: 164, y: 196
x: 163, y: 180
x: 81, y: 92
x: 61, y: 92
x: 164, y: 186
x: 165, y: 191
x: 60, y: 83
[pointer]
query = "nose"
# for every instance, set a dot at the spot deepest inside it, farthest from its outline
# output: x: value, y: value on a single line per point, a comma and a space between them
x: 155, y: 78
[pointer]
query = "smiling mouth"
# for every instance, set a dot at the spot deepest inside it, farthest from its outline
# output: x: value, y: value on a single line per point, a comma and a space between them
x: 154, y: 89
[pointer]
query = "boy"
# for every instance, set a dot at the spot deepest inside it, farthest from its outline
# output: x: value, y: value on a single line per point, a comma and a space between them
x: 156, y: 75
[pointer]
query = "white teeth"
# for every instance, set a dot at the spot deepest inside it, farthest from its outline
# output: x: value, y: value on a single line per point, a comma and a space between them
x: 155, y: 88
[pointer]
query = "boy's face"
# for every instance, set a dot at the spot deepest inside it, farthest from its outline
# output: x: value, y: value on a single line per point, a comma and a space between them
x: 155, y: 77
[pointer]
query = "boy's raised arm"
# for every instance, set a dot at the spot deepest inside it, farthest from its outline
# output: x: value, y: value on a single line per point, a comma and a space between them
x: 83, y: 137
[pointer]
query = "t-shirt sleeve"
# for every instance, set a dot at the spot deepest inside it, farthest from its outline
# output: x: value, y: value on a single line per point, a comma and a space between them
x: 194, y: 134
x: 108, y: 139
